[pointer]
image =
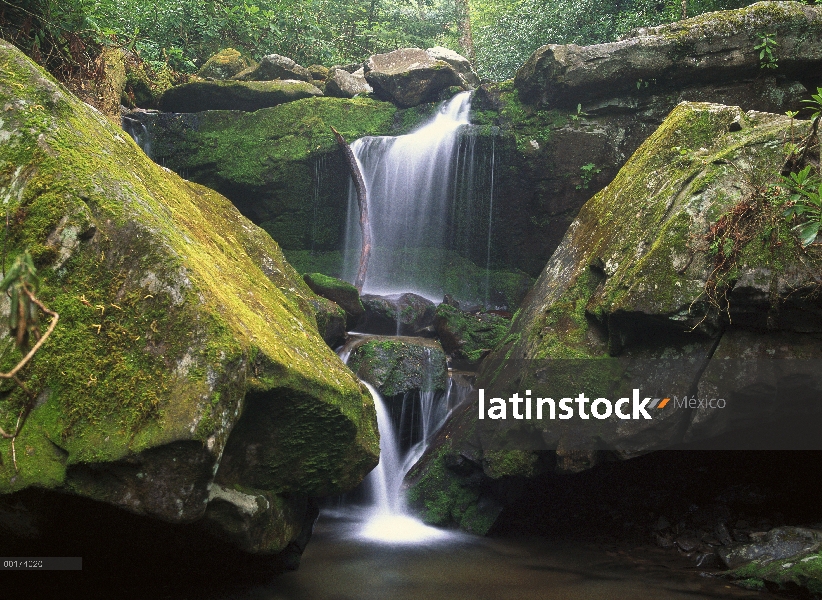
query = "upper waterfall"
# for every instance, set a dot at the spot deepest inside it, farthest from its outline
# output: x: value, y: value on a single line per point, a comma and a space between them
x: 412, y: 181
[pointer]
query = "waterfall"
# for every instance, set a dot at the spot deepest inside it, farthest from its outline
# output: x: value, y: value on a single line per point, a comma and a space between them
x: 410, y: 181
x: 139, y: 133
x: 387, y: 518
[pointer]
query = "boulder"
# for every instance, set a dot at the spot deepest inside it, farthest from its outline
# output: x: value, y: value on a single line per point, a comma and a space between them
x: 225, y: 64
x: 784, y: 558
x: 318, y: 72
x: 459, y: 63
x: 777, y: 544
x: 713, y: 47
x: 397, y: 365
x: 409, y: 76
x: 399, y: 314
x: 273, y: 67
x: 181, y: 329
x: 234, y: 95
x: 343, y: 84
x: 331, y: 321
x: 341, y: 292
x: 638, y: 297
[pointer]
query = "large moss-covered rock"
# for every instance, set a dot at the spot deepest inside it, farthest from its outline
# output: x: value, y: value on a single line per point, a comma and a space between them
x: 225, y: 64
x: 633, y: 298
x: 234, y: 95
x: 707, y: 48
x: 785, y: 558
x: 181, y: 328
x: 280, y: 166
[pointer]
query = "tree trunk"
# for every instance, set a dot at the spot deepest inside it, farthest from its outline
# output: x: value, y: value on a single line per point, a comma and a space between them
x: 464, y: 26
x: 362, y: 201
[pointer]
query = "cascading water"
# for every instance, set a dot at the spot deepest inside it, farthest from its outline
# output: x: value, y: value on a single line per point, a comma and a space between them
x: 412, y: 181
x: 139, y: 133
x: 387, y: 518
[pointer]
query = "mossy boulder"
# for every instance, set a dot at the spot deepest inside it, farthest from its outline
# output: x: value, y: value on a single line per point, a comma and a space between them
x: 629, y: 301
x: 181, y: 326
x: 274, y: 66
x: 225, y: 64
x: 234, y: 95
x: 341, y: 292
x: 712, y: 47
x: 397, y: 365
x: 280, y: 166
x: 469, y: 335
x: 785, y: 558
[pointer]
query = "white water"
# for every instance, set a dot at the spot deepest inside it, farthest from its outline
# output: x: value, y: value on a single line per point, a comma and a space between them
x: 386, y: 518
x: 411, y: 181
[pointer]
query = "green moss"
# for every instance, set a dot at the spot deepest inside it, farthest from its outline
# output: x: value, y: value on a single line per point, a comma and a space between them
x: 164, y: 293
x: 502, y: 463
x: 395, y: 366
x: 803, y: 571
x: 224, y: 64
x: 443, y: 500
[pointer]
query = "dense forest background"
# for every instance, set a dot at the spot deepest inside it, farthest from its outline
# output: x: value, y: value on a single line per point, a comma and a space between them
x: 179, y: 35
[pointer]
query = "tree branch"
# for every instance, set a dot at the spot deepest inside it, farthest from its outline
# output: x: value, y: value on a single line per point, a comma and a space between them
x: 362, y: 201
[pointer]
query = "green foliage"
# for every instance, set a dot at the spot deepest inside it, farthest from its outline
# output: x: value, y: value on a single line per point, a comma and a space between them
x: 806, y: 204
x: 586, y: 173
x: 815, y: 104
x: 767, y: 59
x: 24, y: 315
x: 184, y: 33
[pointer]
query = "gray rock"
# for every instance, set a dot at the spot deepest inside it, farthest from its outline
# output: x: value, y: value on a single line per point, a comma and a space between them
x: 707, y: 48
x: 777, y: 544
x: 342, y: 84
x: 396, y: 365
x: 460, y: 64
x: 275, y: 66
x: 409, y: 76
x: 400, y: 314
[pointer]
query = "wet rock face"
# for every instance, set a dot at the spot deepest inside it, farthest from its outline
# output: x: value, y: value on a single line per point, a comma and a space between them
x: 200, y: 321
x: 409, y: 76
x: 715, y: 47
x: 400, y: 314
x: 234, y: 95
x: 629, y: 296
x: 777, y: 544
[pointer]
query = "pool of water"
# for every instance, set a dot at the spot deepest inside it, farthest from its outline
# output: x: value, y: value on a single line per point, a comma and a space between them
x: 341, y: 564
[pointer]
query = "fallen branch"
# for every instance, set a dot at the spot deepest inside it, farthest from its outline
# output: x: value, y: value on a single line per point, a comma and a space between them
x: 24, y: 412
x: 362, y: 201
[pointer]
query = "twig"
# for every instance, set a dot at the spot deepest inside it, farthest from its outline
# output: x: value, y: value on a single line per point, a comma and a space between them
x: 24, y: 361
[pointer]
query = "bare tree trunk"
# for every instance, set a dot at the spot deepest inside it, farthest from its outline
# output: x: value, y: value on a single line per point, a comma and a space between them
x: 684, y: 9
x: 362, y: 201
